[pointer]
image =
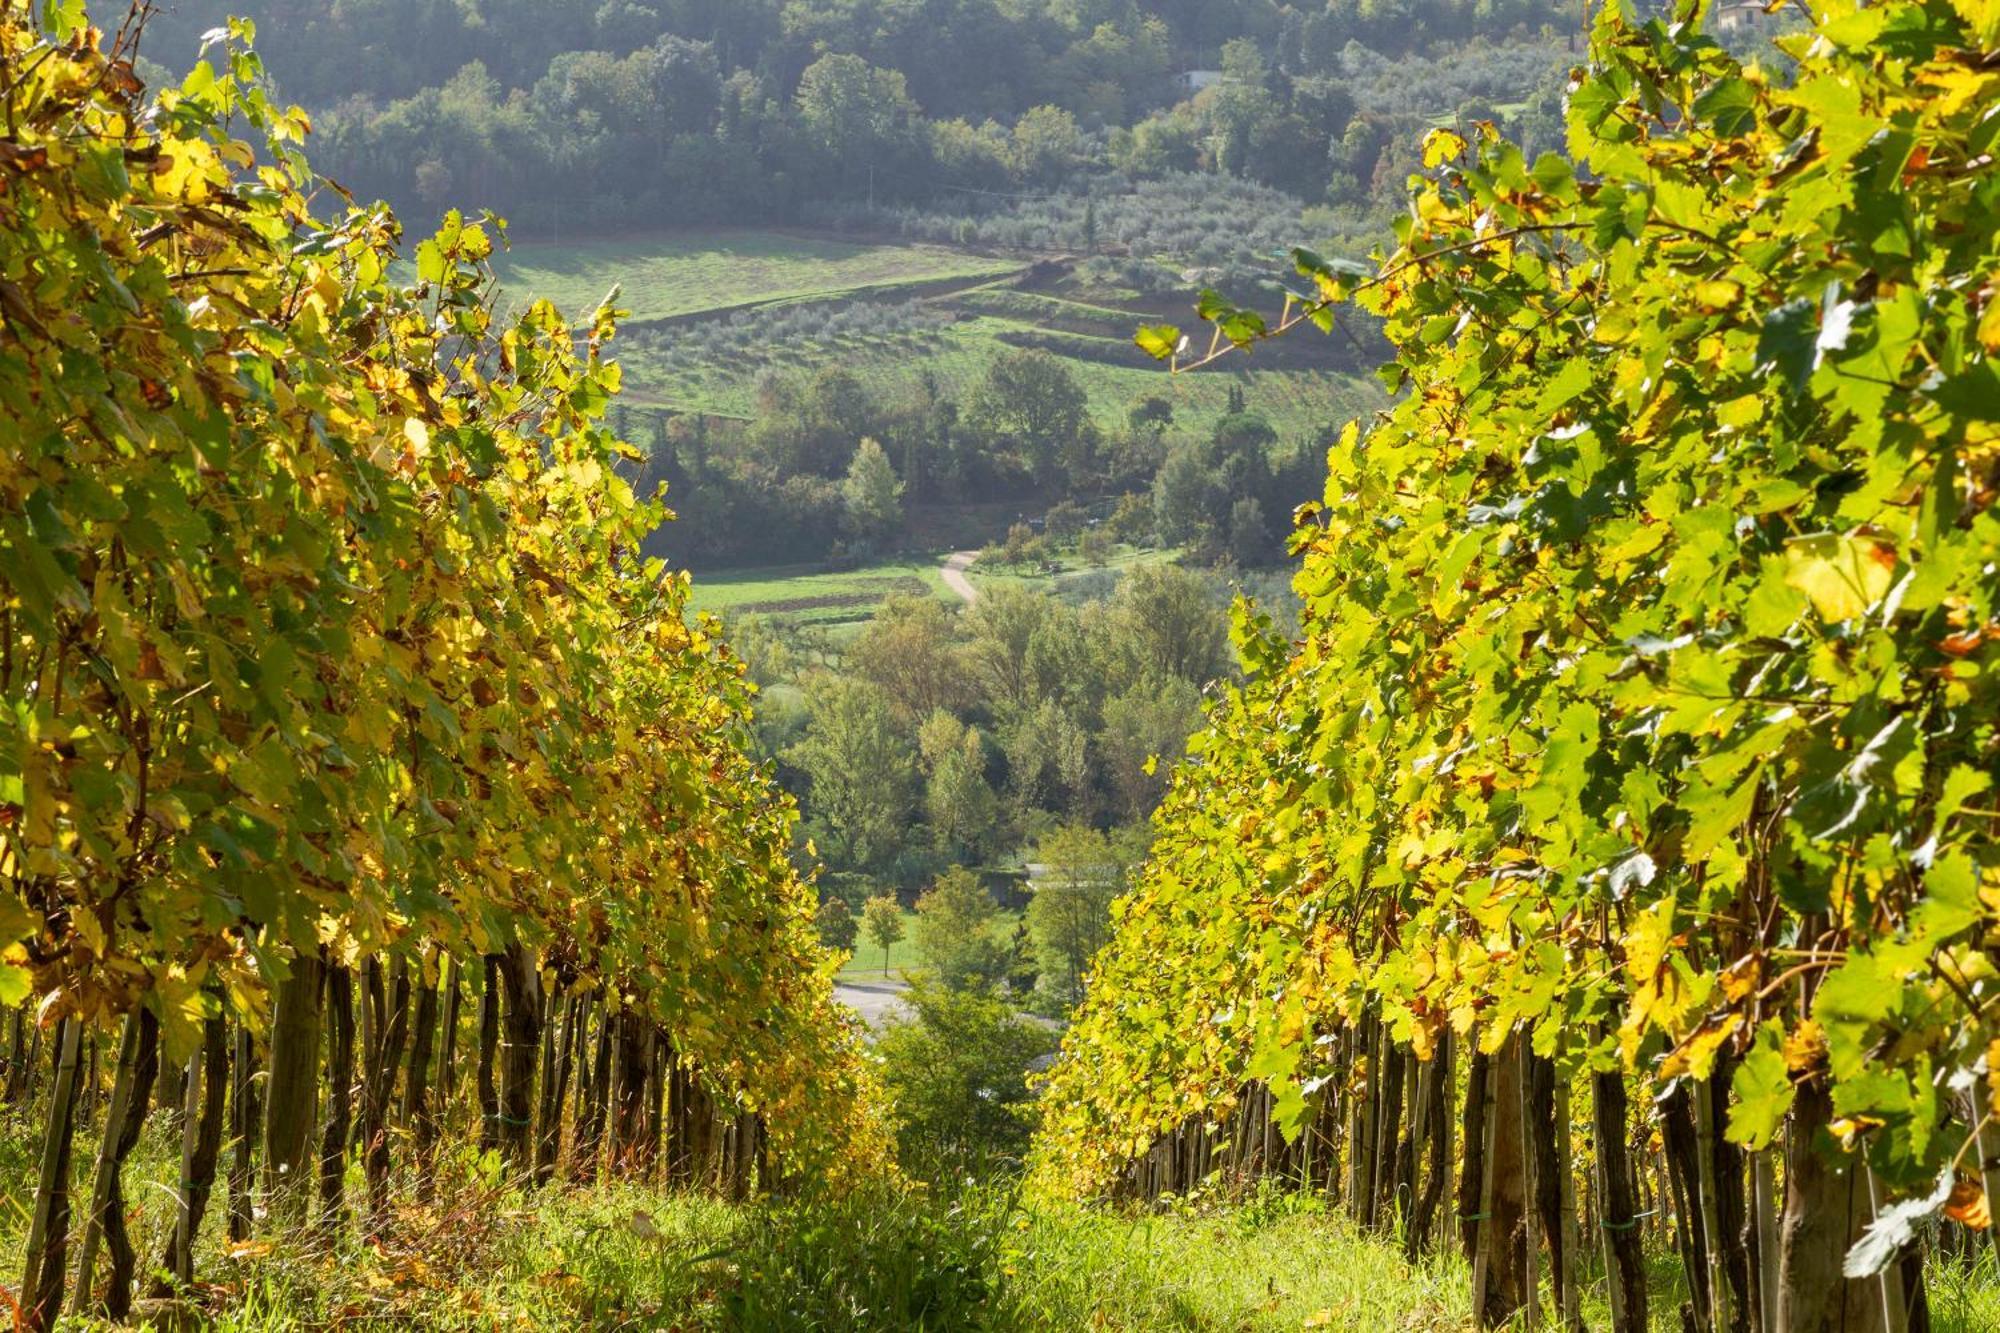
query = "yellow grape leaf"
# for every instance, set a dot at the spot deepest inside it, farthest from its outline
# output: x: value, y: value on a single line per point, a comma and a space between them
x: 1955, y: 88
x: 1805, y: 1048
x: 17, y: 919
x: 1696, y: 1054
x: 1843, y: 576
x: 1442, y: 145
x: 1739, y: 412
x: 1989, y: 322
x: 1716, y: 293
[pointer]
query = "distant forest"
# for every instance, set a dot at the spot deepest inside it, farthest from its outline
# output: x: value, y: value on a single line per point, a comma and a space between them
x: 592, y: 115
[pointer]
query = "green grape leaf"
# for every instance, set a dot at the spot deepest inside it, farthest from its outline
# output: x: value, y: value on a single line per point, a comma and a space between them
x: 1762, y: 1088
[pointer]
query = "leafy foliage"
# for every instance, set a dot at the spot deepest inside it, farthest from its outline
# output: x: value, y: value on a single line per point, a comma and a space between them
x: 882, y: 919
x: 952, y: 933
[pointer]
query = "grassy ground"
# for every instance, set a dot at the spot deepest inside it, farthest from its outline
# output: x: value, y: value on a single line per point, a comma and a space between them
x: 800, y: 595
x: 486, y: 1256
x: 887, y: 1259
x: 1070, y: 572
x: 810, y: 595
x: 703, y: 272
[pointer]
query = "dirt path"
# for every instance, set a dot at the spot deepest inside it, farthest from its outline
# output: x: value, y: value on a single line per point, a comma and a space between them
x: 954, y: 578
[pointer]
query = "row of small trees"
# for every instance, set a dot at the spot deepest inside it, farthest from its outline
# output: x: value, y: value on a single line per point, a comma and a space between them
x: 330, y: 669
x: 1633, y: 766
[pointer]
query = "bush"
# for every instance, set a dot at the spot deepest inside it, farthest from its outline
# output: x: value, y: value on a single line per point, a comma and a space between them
x: 837, y: 927
x: 958, y: 1070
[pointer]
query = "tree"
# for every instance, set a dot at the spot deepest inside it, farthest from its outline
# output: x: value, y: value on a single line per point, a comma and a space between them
x: 1168, y: 620
x: 951, y: 932
x: 1186, y: 495
x: 851, y: 110
x: 1249, y: 534
x: 1032, y: 402
x: 1151, y: 413
x: 837, y: 926
x: 1144, y: 735
x: 963, y: 809
x: 882, y: 919
x: 685, y: 83
x: 1048, y: 758
x: 861, y: 767
x: 957, y: 1069
x: 911, y: 653
x: 1046, y: 145
x: 1078, y: 876
x: 872, y: 495
x: 1000, y: 626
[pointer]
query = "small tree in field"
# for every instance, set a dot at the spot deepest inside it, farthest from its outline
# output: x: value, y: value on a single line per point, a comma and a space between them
x: 882, y: 919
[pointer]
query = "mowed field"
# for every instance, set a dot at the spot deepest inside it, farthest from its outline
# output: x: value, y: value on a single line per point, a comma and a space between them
x: 681, y: 274
x: 713, y: 312
x: 811, y: 595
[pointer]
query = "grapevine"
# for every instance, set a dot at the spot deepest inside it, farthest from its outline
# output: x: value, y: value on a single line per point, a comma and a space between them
x: 1639, y: 739
x: 332, y: 674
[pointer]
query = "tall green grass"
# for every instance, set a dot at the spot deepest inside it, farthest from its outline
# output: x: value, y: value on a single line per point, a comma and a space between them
x: 962, y: 1256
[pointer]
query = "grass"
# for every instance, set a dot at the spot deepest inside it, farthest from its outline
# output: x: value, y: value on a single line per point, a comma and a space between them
x: 679, y: 274
x: 884, y: 1258
x: 810, y: 595
x: 1071, y: 573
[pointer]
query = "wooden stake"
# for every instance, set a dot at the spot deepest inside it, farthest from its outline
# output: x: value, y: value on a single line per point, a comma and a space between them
x: 1531, y: 1185
x: 48, y: 1233
x: 1712, y: 1241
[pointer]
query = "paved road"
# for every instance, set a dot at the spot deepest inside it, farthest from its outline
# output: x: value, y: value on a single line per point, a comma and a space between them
x: 873, y: 1000
x: 953, y: 574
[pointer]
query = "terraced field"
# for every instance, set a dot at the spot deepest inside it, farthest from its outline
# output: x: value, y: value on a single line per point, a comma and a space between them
x: 957, y: 355
x: 715, y: 311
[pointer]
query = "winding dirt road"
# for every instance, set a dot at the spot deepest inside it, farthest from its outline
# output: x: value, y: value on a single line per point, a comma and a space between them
x: 954, y: 578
